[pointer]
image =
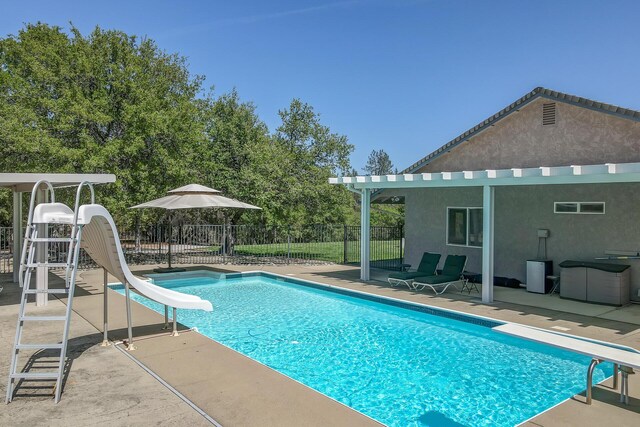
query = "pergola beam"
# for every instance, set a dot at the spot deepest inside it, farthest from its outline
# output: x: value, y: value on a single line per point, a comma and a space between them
x: 556, y: 175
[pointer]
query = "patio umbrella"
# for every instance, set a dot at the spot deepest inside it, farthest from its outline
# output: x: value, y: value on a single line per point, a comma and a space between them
x: 192, y: 196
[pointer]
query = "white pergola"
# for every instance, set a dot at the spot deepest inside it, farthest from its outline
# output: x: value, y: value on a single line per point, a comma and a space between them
x: 488, y: 180
x: 23, y: 182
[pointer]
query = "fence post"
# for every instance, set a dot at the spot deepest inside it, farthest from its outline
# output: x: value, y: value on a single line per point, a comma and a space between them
x: 401, y: 245
x: 159, y: 236
x: 224, y: 242
x: 288, y: 244
x: 345, y: 246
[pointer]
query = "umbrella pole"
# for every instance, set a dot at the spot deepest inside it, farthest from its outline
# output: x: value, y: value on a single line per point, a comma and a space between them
x: 169, y: 240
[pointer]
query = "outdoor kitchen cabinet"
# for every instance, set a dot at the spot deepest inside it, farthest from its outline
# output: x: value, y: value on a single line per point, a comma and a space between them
x: 573, y: 283
x: 595, y: 282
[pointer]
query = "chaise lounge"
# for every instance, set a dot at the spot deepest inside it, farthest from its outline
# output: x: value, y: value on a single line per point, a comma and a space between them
x: 450, y: 275
x: 427, y: 267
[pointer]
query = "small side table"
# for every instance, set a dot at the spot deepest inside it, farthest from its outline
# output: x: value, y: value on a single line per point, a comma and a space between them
x: 469, y: 282
x: 556, y: 284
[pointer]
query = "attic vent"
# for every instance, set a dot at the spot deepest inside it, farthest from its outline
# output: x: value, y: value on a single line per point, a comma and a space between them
x: 549, y: 114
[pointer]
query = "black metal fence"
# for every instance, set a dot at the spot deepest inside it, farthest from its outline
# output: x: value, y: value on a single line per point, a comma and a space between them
x: 238, y: 244
x: 6, y: 249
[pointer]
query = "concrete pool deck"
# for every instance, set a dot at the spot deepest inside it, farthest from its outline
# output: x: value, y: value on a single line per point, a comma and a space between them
x: 105, y: 386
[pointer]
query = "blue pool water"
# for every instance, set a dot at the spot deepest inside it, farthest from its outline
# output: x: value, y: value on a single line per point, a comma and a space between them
x: 399, y: 366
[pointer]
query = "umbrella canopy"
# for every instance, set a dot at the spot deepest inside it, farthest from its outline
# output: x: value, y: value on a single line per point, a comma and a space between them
x: 194, y: 196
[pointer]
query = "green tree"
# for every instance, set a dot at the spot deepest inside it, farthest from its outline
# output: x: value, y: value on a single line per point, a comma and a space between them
x: 378, y: 163
x: 389, y: 215
x: 109, y: 102
x: 235, y: 156
x: 313, y: 154
x: 104, y: 103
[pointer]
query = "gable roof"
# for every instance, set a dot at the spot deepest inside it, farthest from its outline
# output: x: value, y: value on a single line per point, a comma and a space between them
x: 538, y: 92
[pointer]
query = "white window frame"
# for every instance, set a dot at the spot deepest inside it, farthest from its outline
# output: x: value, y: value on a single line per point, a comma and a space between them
x: 579, y: 208
x: 446, y: 231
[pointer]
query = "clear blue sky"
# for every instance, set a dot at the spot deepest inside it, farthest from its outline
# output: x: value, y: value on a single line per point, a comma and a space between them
x: 405, y: 76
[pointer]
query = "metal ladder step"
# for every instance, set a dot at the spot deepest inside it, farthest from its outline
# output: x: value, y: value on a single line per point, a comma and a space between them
x: 48, y: 264
x: 46, y: 291
x: 38, y: 346
x: 50, y: 239
x: 43, y: 318
x: 36, y: 375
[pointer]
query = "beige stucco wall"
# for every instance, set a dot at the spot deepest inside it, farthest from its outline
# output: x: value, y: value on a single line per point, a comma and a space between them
x: 579, y: 137
x: 426, y: 218
x: 520, y: 211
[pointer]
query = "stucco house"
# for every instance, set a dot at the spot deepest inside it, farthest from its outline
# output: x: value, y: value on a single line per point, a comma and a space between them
x: 529, y: 165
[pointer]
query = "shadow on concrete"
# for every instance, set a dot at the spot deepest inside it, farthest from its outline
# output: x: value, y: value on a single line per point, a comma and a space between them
x: 48, y: 361
x: 605, y: 394
x: 12, y: 291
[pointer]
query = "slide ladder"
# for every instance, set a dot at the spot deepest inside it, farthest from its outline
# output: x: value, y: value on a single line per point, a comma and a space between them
x: 35, y: 255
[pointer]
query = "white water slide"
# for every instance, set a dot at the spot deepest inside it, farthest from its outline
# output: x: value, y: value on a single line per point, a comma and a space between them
x: 100, y: 240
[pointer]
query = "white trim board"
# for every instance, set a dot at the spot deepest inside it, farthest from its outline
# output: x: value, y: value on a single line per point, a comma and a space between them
x: 585, y: 174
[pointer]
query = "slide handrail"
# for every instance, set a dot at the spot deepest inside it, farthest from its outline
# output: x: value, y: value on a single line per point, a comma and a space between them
x: 78, y: 194
x: 34, y: 192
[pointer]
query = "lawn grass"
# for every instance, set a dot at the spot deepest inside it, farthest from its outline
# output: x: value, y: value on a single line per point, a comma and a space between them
x: 323, y: 251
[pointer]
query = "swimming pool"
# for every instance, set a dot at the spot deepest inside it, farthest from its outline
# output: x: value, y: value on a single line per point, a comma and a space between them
x: 397, y: 363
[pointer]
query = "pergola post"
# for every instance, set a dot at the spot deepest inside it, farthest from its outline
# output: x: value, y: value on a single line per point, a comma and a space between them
x: 488, y: 202
x: 365, y: 231
x: 17, y: 234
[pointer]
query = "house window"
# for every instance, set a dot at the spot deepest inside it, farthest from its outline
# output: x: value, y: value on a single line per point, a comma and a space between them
x: 464, y: 227
x: 578, y: 208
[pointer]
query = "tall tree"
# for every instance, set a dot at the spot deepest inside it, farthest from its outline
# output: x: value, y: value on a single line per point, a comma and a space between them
x: 112, y: 103
x: 286, y: 173
x: 107, y: 102
x: 390, y: 215
x: 314, y: 154
x: 231, y: 157
x: 378, y: 163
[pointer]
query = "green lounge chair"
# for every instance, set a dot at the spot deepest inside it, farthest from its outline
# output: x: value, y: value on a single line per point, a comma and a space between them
x: 427, y: 267
x: 451, y: 274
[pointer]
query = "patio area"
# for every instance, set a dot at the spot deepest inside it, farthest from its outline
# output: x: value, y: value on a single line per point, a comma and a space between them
x: 105, y: 385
